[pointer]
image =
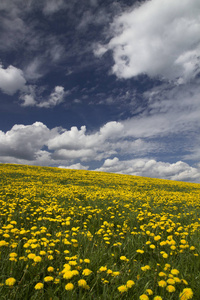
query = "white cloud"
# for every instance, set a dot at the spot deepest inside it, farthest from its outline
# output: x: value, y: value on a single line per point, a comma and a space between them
x: 38, y: 145
x: 28, y: 100
x: 29, y: 97
x: 77, y: 166
x: 110, y: 162
x: 55, y: 98
x: 78, y: 139
x: 158, y: 38
x: 11, y: 80
x: 23, y: 141
x: 171, y: 110
x: 152, y: 168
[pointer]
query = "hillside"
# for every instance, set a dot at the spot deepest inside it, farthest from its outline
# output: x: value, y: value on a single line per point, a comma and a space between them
x: 92, y: 235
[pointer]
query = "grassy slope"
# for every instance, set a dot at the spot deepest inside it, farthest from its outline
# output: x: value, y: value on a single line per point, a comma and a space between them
x: 103, y: 217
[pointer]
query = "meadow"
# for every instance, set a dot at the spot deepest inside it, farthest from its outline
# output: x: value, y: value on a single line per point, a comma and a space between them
x: 75, y: 234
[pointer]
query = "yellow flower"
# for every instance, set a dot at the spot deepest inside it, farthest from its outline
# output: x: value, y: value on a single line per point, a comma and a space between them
x: 140, y: 251
x: 157, y: 298
x: 87, y: 261
x: 144, y: 297
x: 165, y: 255
x: 56, y: 280
x: 50, y: 269
x: 170, y: 288
x: 123, y: 258
x: 149, y: 292
x: 157, y: 238
x: 186, y: 294
x: 145, y: 268
x: 69, y: 286
x: 39, y: 286
x: 82, y: 283
x: 130, y: 283
x: 48, y: 278
x: 13, y: 254
x: 37, y: 259
x: 3, y: 243
x: 116, y: 273
x: 10, y: 281
x: 122, y: 288
x: 31, y: 255
x: 75, y: 272
x: 68, y: 275
x: 152, y: 246
x: 170, y: 281
x: 162, y: 274
x: 174, y: 271
x: 102, y: 269
x: 86, y: 272
x: 162, y: 283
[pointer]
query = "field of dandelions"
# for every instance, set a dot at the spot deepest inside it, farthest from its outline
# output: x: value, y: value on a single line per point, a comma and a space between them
x: 68, y: 234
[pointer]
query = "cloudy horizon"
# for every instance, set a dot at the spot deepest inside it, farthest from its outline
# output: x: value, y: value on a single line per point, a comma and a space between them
x: 112, y: 87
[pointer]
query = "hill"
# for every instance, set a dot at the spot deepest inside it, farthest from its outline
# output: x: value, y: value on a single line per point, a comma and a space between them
x: 91, y: 235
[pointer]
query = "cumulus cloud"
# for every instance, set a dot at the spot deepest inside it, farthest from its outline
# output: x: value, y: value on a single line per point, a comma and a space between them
x: 78, y: 139
x: 23, y: 141
x: 158, y: 38
x: 37, y: 144
x: 11, y: 79
x: 152, y: 168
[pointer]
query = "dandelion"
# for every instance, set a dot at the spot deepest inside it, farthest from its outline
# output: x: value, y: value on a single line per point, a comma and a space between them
x: 10, y: 281
x: 186, y: 294
x: 144, y: 297
x: 149, y: 292
x: 157, y: 298
x: 146, y: 268
x: 123, y: 258
x: 170, y: 288
x: 31, y: 255
x: 171, y: 281
x: 102, y: 269
x: 13, y: 255
x: 37, y: 259
x: 152, y: 246
x: 162, y: 283
x: 122, y: 288
x: 165, y: 255
x: 82, y: 283
x: 39, y: 286
x: 174, y: 272
x: 130, y: 283
x: 69, y: 286
x: 140, y: 251
x: 86, y: 272
x: 50, y: 269
x: 56, y: 280
x: 67, y: 275
x: 48, y: 278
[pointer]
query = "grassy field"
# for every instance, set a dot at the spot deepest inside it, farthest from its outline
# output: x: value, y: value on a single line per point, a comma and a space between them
x: 67, y: 234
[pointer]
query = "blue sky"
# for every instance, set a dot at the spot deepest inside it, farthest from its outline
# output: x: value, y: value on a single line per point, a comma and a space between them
x: 110, y: 86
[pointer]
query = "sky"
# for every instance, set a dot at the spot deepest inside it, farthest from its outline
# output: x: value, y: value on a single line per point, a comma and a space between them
x: 102, y: 85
